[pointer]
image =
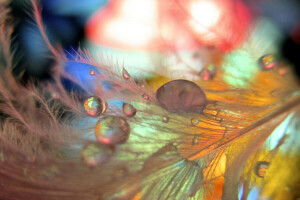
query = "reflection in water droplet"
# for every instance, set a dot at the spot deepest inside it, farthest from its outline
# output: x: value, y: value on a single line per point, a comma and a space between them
x: 129, y: 110
x: 126, y: 75
x: 145, y: 96
x: 112, y: 130
x: 261, y: 168
x: 95, y: 106
x: 165, y: 119
x: 195, y: 121
x: 92, y: 72
x: 268, y: 61
x: 181, y: 96
x: 96, y: 154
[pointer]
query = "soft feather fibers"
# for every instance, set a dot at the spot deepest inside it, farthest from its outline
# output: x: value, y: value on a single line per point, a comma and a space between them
x: 212, y: 154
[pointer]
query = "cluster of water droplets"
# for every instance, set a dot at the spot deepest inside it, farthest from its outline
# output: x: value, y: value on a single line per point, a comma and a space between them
x: 176, y: 96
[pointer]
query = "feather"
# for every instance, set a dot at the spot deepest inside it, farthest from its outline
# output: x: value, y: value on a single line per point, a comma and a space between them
x: 205, y: 146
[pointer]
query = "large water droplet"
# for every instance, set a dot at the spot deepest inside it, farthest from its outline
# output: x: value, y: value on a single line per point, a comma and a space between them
x: 181, y: 96
x: 95, y: 154
x: 125, y: 73
x: 268, y: 61
x: 94, y: 106
x: 261, y: 168
x: 129, y: 110
x: 112, y: 130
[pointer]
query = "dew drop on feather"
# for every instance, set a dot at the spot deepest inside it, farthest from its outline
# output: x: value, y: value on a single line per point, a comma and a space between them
x: 165, y: 119
x: 125, y: 74
x: 181, y: 96
x: 96, y: 154
x: 145, y: 96
x: 94, y: 106
x: 268, y: 61
x: 208, y: 73
x: 92, y: 72
x: 261, y: 168
x: 129, y: 110
x: 112, y: 130
x: 195, y: 121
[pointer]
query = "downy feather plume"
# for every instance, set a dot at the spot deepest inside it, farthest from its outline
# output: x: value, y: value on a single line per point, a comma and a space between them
x: 230, y: 136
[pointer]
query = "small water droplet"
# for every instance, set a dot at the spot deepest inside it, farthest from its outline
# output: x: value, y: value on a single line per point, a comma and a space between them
x: 92, y: 72
x: 165, y: 119
x: 208, y: 73
x: 268, y: 61
x: 95, y: 154
x: 129, y: 110
x: 195, y: 121
x: 195, y: 140
x: 181, y: 96
x: 145, y: 96
x: 261, y: 168
x: 94, y: 106
x: 125, y: 73
x: 112, y: 130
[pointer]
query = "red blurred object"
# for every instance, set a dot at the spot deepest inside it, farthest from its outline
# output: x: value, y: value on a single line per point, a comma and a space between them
x: 174, y: 24
x: 222, y: 24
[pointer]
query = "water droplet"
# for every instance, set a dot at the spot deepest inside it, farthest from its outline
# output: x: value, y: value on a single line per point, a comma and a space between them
x: 268, y: 61
x: 195, y: 121
x: 92, y: 72
x: 261, y: 168
x: 145, y: 96
x: 209, y: 73
x: 165, y: 119
x: 112, y: 130
x: 129, y: 110
x: 195, y: 140
x: 95, y: 106
x: 181, y: 96
x: 95, y: 154
x: 125, y: 73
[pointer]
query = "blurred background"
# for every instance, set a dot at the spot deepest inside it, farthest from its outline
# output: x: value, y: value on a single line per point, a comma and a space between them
x: 185, y: 36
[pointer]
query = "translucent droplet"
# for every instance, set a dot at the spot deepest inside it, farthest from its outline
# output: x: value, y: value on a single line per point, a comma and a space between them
x: 145, y: 96
x: 181, y: 96
x: 268, y: 61
x: 95, y: 106
x: 195, y: 121
x: 95, y: 154
x: 261, y: 168
x: 112, y: 130
x: 208, y: 73
x: 165, y: 119
x: 129, y: 110
x: 125, y: 73
x: 92, y: 72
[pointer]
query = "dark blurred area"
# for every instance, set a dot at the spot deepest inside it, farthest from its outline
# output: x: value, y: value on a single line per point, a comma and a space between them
x: 65, y: 22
